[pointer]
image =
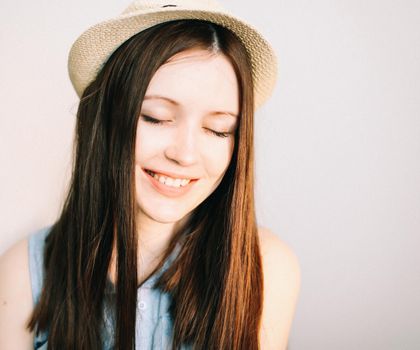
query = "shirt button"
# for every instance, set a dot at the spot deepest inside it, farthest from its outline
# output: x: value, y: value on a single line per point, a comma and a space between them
x: 142, y: 305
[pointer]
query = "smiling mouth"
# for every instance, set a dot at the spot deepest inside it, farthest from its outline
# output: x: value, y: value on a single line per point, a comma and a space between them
x: 169, y: 181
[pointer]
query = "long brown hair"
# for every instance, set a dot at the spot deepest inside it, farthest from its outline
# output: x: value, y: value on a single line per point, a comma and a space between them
x: 215, y: 282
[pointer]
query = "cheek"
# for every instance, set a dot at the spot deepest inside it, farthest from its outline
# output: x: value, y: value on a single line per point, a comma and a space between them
x: 218, y: 157
x: 148, y: 142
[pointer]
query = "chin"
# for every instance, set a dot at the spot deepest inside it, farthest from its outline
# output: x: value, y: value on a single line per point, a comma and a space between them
x: 161, y: 215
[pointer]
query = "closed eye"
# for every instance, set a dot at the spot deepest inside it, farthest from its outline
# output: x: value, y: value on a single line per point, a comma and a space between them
x: 155, y: 121
x: 151, y: 120
x: 218, y: 133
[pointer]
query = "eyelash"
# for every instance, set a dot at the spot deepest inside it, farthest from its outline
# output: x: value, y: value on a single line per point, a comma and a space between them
x: 154, y: 121
x: 151, y: 120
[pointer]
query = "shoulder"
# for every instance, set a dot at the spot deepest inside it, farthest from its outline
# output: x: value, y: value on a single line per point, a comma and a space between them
x: 277, y: 252
x: 15, y: 297
x: 281, y: 288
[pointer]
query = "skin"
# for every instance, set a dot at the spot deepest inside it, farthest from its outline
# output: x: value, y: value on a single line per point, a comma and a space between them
x: 201, y: 96
x: 192, y: 96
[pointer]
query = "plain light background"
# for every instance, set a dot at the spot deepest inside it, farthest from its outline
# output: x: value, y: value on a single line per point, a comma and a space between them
x: 337, y: 150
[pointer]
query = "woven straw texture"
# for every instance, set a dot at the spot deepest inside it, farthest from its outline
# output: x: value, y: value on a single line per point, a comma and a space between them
x: 91, y: 50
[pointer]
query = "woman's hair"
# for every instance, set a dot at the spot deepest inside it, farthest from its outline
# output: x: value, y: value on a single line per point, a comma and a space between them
x: 216, y: 281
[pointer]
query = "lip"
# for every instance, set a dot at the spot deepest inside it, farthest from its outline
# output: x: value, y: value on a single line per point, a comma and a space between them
x: 167, y: 190
x: 169, y: 174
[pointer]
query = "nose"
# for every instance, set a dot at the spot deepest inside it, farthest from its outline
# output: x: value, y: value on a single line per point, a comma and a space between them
x: 183, y: 147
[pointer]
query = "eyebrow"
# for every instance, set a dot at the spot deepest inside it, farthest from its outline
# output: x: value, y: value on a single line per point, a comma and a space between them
x: 158, y: 97
x: 175, y: 103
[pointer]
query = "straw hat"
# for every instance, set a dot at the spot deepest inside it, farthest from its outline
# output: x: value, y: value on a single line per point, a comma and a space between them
x: 91, y: 50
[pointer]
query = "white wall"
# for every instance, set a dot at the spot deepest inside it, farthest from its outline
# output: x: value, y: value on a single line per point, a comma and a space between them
x: 338, y: 150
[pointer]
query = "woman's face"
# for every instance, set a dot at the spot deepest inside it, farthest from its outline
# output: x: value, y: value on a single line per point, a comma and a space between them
x: 185, y: 134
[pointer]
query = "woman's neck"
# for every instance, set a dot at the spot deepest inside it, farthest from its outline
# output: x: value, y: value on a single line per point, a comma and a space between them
x: 154, y: 239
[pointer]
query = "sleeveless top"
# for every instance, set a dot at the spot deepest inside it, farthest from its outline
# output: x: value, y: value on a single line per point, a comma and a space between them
x: 154, y: 325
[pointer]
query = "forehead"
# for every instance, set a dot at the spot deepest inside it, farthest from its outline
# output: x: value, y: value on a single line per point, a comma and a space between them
x: 197, y: 79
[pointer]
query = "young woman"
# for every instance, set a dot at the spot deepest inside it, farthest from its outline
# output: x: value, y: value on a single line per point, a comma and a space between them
x: 157, y: 245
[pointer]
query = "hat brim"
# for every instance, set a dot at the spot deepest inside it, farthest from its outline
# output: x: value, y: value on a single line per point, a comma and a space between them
x: 93, y: 48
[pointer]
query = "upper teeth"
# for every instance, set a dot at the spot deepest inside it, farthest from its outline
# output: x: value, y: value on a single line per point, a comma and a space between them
x: 169, y: 181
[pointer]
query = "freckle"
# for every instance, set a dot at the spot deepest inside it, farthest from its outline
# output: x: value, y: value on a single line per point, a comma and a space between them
x: 4, y: 302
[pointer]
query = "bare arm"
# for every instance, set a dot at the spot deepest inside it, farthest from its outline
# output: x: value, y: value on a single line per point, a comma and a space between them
x: 281, y: 290
x: 15, y: 298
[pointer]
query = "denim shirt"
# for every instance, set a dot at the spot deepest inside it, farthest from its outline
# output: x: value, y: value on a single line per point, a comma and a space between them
x: 154, y: 325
